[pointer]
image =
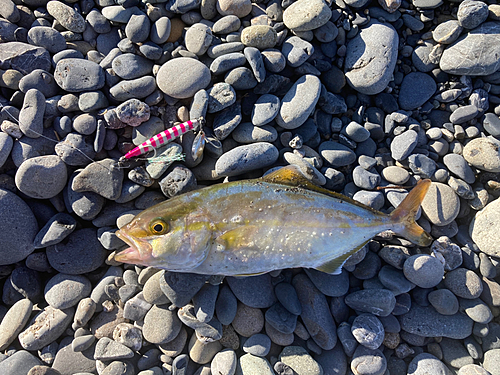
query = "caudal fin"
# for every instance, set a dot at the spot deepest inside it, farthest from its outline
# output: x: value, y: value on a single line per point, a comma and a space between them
x: 404, y: 216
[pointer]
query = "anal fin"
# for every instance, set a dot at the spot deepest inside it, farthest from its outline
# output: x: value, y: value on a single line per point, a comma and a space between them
x: 334, y: 266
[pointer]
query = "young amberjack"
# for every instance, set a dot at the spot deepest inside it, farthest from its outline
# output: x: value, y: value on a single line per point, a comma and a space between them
x: 254, y: 226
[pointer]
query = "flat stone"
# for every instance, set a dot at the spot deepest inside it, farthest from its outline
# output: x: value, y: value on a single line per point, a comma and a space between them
x: 77, y: 75
x: 254, y: 291
x: 441, y: 205
x: 246, y: 158
x: 42, y: 177
x: 19, y: 363
x: 182, y: 77
x: 425, y: 363
x: 482, y: 228
x: 15, y: 214
x: 474, y: 53
x: 45, y: 328
x: 427, y: 322
x: 315, y: 313
x: 100, y: 177
x: 299, y: 102
x: 371, y: 58
x: 298, y: 359
x: 24, y: 57
x: 161, y: 325
x: 416, y: 89
x: 305, y: 15
x: 379, y: 302
x: 66, y: 16
x: 14, y: 321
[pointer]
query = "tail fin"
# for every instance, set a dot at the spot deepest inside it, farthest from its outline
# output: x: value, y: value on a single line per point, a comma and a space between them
x: 404, y: 215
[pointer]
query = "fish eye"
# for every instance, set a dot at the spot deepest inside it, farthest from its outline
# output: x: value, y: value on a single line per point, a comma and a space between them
x: 159, y: 227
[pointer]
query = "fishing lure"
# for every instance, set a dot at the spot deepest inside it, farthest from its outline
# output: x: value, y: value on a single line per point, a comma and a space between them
x: 171, y: 134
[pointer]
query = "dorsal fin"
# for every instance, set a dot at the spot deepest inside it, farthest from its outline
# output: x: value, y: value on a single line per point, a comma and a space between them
x: 291, y: 175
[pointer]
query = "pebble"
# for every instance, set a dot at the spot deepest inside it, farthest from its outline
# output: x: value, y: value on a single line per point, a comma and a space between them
x: 259, y: 36
x: 330, y: 285
x: 248, y: 321
x: 14, y: 322
x: 298, y: 359
x: 47, y: 327
x: 483, y: 153
x: 443, y: 301
x: 161, y: 325
x: 464, y: 283
x: 250, y: 364
x: 16, y: 214
x: 246, y: 132
x: 107, y: 349
x: 180, y: 288
x: 31, y: 114
x: 224, y: 362
x: 423, y: 270
x: 246, y: 158
x: 20, y: 362
x: 41, y: 177
x: 376, y: 42
x: 379, y: 302
x: 368, y: 361
x: 403, y: 144
x: 315, y: 313
x: 482, y: 228
x: 226, y: 305
x: 265, y: 109
x: 81, y: 253
x: 447, y: 32
x: 427, y: 322
x: 296, y: 51
x: 255, y: 291
x: 182, y: 77
x: 368, y: 331
x: 477, y: 310
x: 441, y: 205
x: 258, y: 345
x: 425, y: 363
x: 77, y: 75
x: 336, y: 154
x: 299, y: 102
x: 462, y: 56
x: 306, y: 15
x: 416, y: 89
x: 63, y: 291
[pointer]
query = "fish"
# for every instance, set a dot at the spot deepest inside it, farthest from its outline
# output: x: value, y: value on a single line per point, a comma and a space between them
x: 251, y: 227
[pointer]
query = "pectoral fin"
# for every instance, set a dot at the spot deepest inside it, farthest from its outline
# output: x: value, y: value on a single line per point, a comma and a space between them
x: 334, y: 266
x: 242, y: 236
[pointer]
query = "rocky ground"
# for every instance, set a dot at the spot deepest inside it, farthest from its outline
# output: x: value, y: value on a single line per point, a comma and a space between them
x: 359, y: 94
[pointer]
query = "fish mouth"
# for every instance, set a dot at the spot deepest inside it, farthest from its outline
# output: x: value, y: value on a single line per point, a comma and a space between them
x: 139, y: 251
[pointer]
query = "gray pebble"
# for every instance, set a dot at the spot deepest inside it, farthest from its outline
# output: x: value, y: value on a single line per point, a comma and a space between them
x: 180, y: 288
x: 77, y: 75
x: 246, y: 132
x: 258, y: 345
x: 403, y: 144
x: 182, y: 77
x: 46, y: 37
x: 315, y: 313
x: 463, y: 114
x: 46, y: 327
x: 441, y: 205
x: 101, y: 178
x: 330, y: 285
x: 224, y: 362
x: 336, y: 154
x: 483, y: 153
x: 368, y: 331
x: 41, y: 177
x: 241, y: 78
x: 161, y: 325
x: 107, y: 349
x: 41, y: 80
x: 66, y: 16
x: 226, y: 305
x: 63, y: 291
x: 137, y: 29
x: 281, y: 319
x: 130, y: 66
x: 425, y: 363
x: 255, y: 291
x: 415, y: 90
x: 14, y: 321
x: 31, y: 114
x: 443, y: 301
x: 447, y: 32
x: 464, y: 283
x: 476, y: 309
x: 221, y: 95
x: 427, y: 322
x: 265, y: 109
x: 160, y: 30
x: 296, y: 51
x: 365, y: 179
x: 81, y: 253
x: 423, y: 270
x: 198, y: 38
x: 379, y: 302
x: 472, y: 13
x: 246, y: 158
x: 21, y: 362
x: 133, y: 89
x: 368, y: 361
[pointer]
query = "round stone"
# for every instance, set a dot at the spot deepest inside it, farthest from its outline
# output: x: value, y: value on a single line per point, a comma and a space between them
x: 416, y: 89
x: 368, y: 362
x: 425, y: 363
x: 441, y: 205
x: 368, y: 331
x: 423, y: 270
x: 76, y: 75
x: 298, y: 359
x: 336, y: 154
x: 182, y: 77
x: 443, y: 301
x: 472, y: 13
x: 305, y: 15
x: 259, y: 36
x: 483, y: 228
x: 464, y: 283
x: 63, y: 291
x: 42, y: 177
x: 483, y: 153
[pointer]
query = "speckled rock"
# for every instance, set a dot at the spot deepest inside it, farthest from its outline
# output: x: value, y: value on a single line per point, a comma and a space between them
x: 305, y: 15
x: 483, y: 229
x: 483, y: 153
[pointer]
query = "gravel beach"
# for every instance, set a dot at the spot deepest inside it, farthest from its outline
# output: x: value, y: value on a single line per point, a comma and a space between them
x: 366, y: 97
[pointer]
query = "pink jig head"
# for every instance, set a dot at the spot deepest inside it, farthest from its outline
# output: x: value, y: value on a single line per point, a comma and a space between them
x: 171, y: 134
